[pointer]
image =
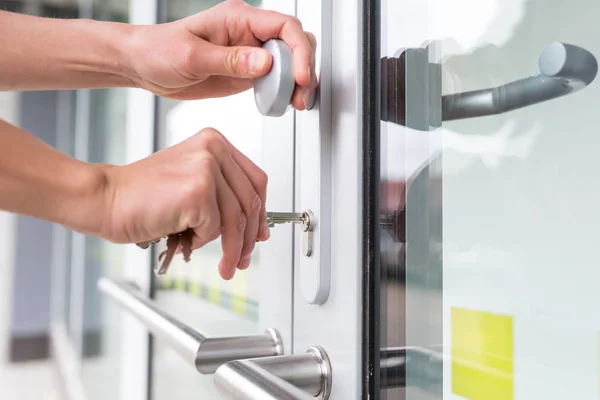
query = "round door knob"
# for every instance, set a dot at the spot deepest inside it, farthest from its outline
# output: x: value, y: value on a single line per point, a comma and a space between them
x: 273, y: 91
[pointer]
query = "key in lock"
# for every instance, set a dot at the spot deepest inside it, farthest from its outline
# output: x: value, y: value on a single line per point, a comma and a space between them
x: 305, y: 219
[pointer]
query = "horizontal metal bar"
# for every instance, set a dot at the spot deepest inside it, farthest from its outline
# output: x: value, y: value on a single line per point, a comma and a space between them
x: 290, y: 377
x: 205, y: 354
x: 424, y: 366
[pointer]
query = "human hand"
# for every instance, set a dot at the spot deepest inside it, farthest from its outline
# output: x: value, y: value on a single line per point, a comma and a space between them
x: 203, y: 184
x: 217, y: 53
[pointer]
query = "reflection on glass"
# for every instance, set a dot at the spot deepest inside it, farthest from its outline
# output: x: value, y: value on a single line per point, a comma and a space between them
x: 177, y: 9
x: 488, y: 248
x: 101, y: 333
x: 194, y: 291
x: 106, y: 144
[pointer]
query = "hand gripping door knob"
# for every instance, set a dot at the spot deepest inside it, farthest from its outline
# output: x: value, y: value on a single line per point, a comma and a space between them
x: 273, y: 91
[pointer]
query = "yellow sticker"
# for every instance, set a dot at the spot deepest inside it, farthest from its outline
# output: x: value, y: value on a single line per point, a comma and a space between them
x: 482, y: 355
x: 214, y: 289
x: 598, y: 352
x: 238, y: 295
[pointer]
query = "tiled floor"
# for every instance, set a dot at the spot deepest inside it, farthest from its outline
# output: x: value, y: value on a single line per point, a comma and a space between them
x: 28, y: 381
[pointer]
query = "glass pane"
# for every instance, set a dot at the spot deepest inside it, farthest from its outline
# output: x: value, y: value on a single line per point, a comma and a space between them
x: 62, y: 237
x: 496, y: 265
x: 194, y: 291
x: 107, y: 144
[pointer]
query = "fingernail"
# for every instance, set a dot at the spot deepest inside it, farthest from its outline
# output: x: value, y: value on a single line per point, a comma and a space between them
x: 266, y: 231
x: 257, y: 61
x: 245, y: 263
x: 308, y: 100
x: 223, y: 271
x: 232, y: 274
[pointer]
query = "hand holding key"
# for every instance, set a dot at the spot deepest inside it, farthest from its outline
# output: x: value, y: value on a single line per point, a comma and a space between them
x: 182, y: 240
x: 203, y: 187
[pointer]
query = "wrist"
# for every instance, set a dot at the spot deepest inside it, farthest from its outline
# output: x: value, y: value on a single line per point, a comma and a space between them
x: 89, y: 200
x: 110, y: 52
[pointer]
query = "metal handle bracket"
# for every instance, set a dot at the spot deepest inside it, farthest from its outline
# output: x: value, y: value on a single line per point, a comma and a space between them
x: 290, y: 377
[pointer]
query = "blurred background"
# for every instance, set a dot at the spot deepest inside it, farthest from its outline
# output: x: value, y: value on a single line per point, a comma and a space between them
x: 39, y: 291
x: 54, y: 323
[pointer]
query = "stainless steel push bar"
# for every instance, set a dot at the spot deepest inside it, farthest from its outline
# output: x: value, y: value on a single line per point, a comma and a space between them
x: 204, y: 353
x: 290, y: 377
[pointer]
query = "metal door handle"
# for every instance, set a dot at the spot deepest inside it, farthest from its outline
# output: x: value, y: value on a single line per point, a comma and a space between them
x: 564, y: 69
x: 273, y: 91
x: 426, y: 368
x: 290, y: 377
x: 205, y: 354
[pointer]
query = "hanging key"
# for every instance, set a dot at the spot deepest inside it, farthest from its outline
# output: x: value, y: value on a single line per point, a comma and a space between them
x: 307, y: 221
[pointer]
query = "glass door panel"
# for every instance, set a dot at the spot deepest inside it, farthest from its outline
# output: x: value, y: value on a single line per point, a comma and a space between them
x: 101, y: 342
x: 194, y: 292
x: 488, y: 199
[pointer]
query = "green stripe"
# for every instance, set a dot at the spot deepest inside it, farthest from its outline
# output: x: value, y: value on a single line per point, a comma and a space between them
x: 235, y: 303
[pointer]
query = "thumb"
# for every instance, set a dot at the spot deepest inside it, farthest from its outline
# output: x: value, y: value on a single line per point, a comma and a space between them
x: 237, y: 61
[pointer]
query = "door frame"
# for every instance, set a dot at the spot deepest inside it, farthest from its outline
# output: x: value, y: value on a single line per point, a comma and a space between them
x: 371, y: 177
x: 337, y: 325
x: 136, y: 363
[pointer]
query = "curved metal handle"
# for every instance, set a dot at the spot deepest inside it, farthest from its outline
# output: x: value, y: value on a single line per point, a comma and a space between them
x: 205, y: 354
x: 426, y: 366
x: 291, y: 377
x: 564, y: 69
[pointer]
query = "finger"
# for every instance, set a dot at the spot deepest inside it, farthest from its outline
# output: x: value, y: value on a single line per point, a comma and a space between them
x: 207, y: 223
x: 259, y: 181
x: 249, y: 200
x: 233, y: 226
x: 214, y: 87
x: 236, y: 61
x: 266, y: 25
x: 302, y: 94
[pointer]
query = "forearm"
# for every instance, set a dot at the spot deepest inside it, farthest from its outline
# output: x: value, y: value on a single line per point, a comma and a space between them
x: 38, y: 181
x: 44, y: 53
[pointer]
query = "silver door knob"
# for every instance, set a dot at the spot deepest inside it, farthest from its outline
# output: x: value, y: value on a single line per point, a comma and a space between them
x: 291, y: 377
x: 204, y: 353
x: 273, y: 91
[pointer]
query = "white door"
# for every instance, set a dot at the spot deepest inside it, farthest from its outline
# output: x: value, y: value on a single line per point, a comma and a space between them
x: 321, y: 306
x: 196, y: 320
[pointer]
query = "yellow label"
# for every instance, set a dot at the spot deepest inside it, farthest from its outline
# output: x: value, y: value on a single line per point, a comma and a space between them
x: 598, y: 352
x: 180, y: 284
x: 482, y: 355
x: 238, y: 294
x: 214, y: 289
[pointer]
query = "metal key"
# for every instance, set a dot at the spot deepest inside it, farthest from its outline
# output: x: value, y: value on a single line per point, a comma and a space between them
x: 306, y: 219
x: 284, y: 217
